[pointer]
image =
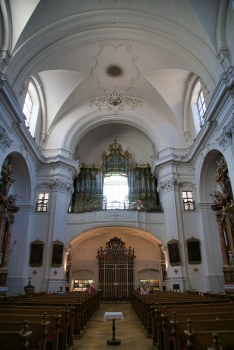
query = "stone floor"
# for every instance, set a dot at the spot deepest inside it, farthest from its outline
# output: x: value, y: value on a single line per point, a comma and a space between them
x: 130, y: 332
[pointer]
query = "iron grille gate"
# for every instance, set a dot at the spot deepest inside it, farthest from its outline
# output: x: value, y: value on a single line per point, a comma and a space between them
x: 116, y: 280
x: 116, y: 270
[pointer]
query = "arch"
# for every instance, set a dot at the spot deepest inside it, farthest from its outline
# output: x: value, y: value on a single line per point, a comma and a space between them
x: 207, y: 176
x: 98, y: 228
x: 221, y: 25
x: 21, y: 174
x: 6, y: 39
x: 161, y: 131
x: 38, y: 86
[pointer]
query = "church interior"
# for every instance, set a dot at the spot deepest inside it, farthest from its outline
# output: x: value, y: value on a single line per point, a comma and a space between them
x: 116, y: 149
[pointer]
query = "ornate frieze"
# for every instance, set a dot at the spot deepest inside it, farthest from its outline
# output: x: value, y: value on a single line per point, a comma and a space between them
x: 110, y: 215
x: 113, y: 1
x: 172, y: 185
x: 227, y: 135
x: 57, y: 185
x: 115, y: 102
x: 5, y: 141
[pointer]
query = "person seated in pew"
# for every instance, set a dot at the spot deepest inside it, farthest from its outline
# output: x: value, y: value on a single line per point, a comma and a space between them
x: 144, y: 290
x: 151, y: 291
x: 61, y: 291
x: 89, y: 289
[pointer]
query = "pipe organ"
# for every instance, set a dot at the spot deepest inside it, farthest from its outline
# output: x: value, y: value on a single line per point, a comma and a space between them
x: 142, y: 192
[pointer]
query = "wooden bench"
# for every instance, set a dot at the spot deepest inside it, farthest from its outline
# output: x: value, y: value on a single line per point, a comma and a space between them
x: 202, y: 340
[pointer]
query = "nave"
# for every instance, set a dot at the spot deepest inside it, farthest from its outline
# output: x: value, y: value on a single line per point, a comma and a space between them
x: 130, y: 331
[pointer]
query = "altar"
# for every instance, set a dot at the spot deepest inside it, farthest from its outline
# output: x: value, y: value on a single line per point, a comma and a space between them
x: 113, y: 316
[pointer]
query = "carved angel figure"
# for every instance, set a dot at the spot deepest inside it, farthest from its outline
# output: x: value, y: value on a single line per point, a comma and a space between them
x: 216, y: 196
x: 13, y: 199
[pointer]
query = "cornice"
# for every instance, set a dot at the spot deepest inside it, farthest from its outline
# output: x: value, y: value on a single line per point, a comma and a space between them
x: 57, y: 186
x: 204, y: 205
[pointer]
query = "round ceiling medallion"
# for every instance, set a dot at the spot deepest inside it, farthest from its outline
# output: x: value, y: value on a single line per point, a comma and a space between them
x: 114, y: 71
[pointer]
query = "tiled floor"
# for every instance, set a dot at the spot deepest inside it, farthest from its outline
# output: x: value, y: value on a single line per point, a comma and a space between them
x: 130, y: 332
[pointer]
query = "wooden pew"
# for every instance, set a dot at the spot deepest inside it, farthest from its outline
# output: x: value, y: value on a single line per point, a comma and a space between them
x: 166, y: 330
x: 77, y: 317
x: 202, y: 339
x: 37, y: 325
x: 17, y: 340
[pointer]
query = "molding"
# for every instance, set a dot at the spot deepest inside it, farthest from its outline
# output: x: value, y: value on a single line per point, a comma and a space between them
x: 205, y: 205
x: 26, y: 207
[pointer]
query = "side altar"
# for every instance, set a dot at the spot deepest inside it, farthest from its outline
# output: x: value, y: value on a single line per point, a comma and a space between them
x: 7, y: 213
x: 224, y: 209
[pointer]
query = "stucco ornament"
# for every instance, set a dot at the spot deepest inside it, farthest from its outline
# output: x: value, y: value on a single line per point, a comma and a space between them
x: 112, y: 56
x: 115, y: 103
x: 227, y: 135
x: 4, y: 139
x: 173, y: 184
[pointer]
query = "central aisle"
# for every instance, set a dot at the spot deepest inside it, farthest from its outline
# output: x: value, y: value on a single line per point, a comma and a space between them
x: 130, y: 332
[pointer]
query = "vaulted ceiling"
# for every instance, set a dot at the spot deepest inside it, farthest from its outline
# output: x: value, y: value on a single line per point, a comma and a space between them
x: 147, y: 51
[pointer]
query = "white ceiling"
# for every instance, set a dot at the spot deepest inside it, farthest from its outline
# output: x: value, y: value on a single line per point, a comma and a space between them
x: 158, y: 44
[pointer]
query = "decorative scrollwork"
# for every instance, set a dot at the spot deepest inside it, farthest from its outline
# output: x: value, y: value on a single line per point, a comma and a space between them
x: 115, y: 102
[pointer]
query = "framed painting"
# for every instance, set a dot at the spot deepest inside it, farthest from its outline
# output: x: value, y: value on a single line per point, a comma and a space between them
x: 174, y: 252
x: 194, y: 250
x: 57, y: 254
x: 36, y: 253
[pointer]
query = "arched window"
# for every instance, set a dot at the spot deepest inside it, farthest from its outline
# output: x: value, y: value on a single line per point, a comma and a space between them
x: 31, y: 108
x: 201, y: 106
x: 198, y: 105
x: 27, y: 109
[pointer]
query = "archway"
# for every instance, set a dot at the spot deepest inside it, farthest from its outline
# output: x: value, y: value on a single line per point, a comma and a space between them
x: 212, y: 252
x: 147, y: 264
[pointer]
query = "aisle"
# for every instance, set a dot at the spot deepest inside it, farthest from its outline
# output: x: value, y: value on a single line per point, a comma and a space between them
x: 130, y: 332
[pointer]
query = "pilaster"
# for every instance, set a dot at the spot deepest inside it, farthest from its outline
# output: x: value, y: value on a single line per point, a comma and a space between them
x: 170, y: 196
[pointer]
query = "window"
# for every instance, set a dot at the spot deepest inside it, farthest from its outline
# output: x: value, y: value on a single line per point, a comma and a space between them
x: 42, y: 203
x: 27, y: 109
x: 198, y: 104
x: 115, y: 189
x: 188, y: 200
x: 201, y: 107
x: 31, y: 108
